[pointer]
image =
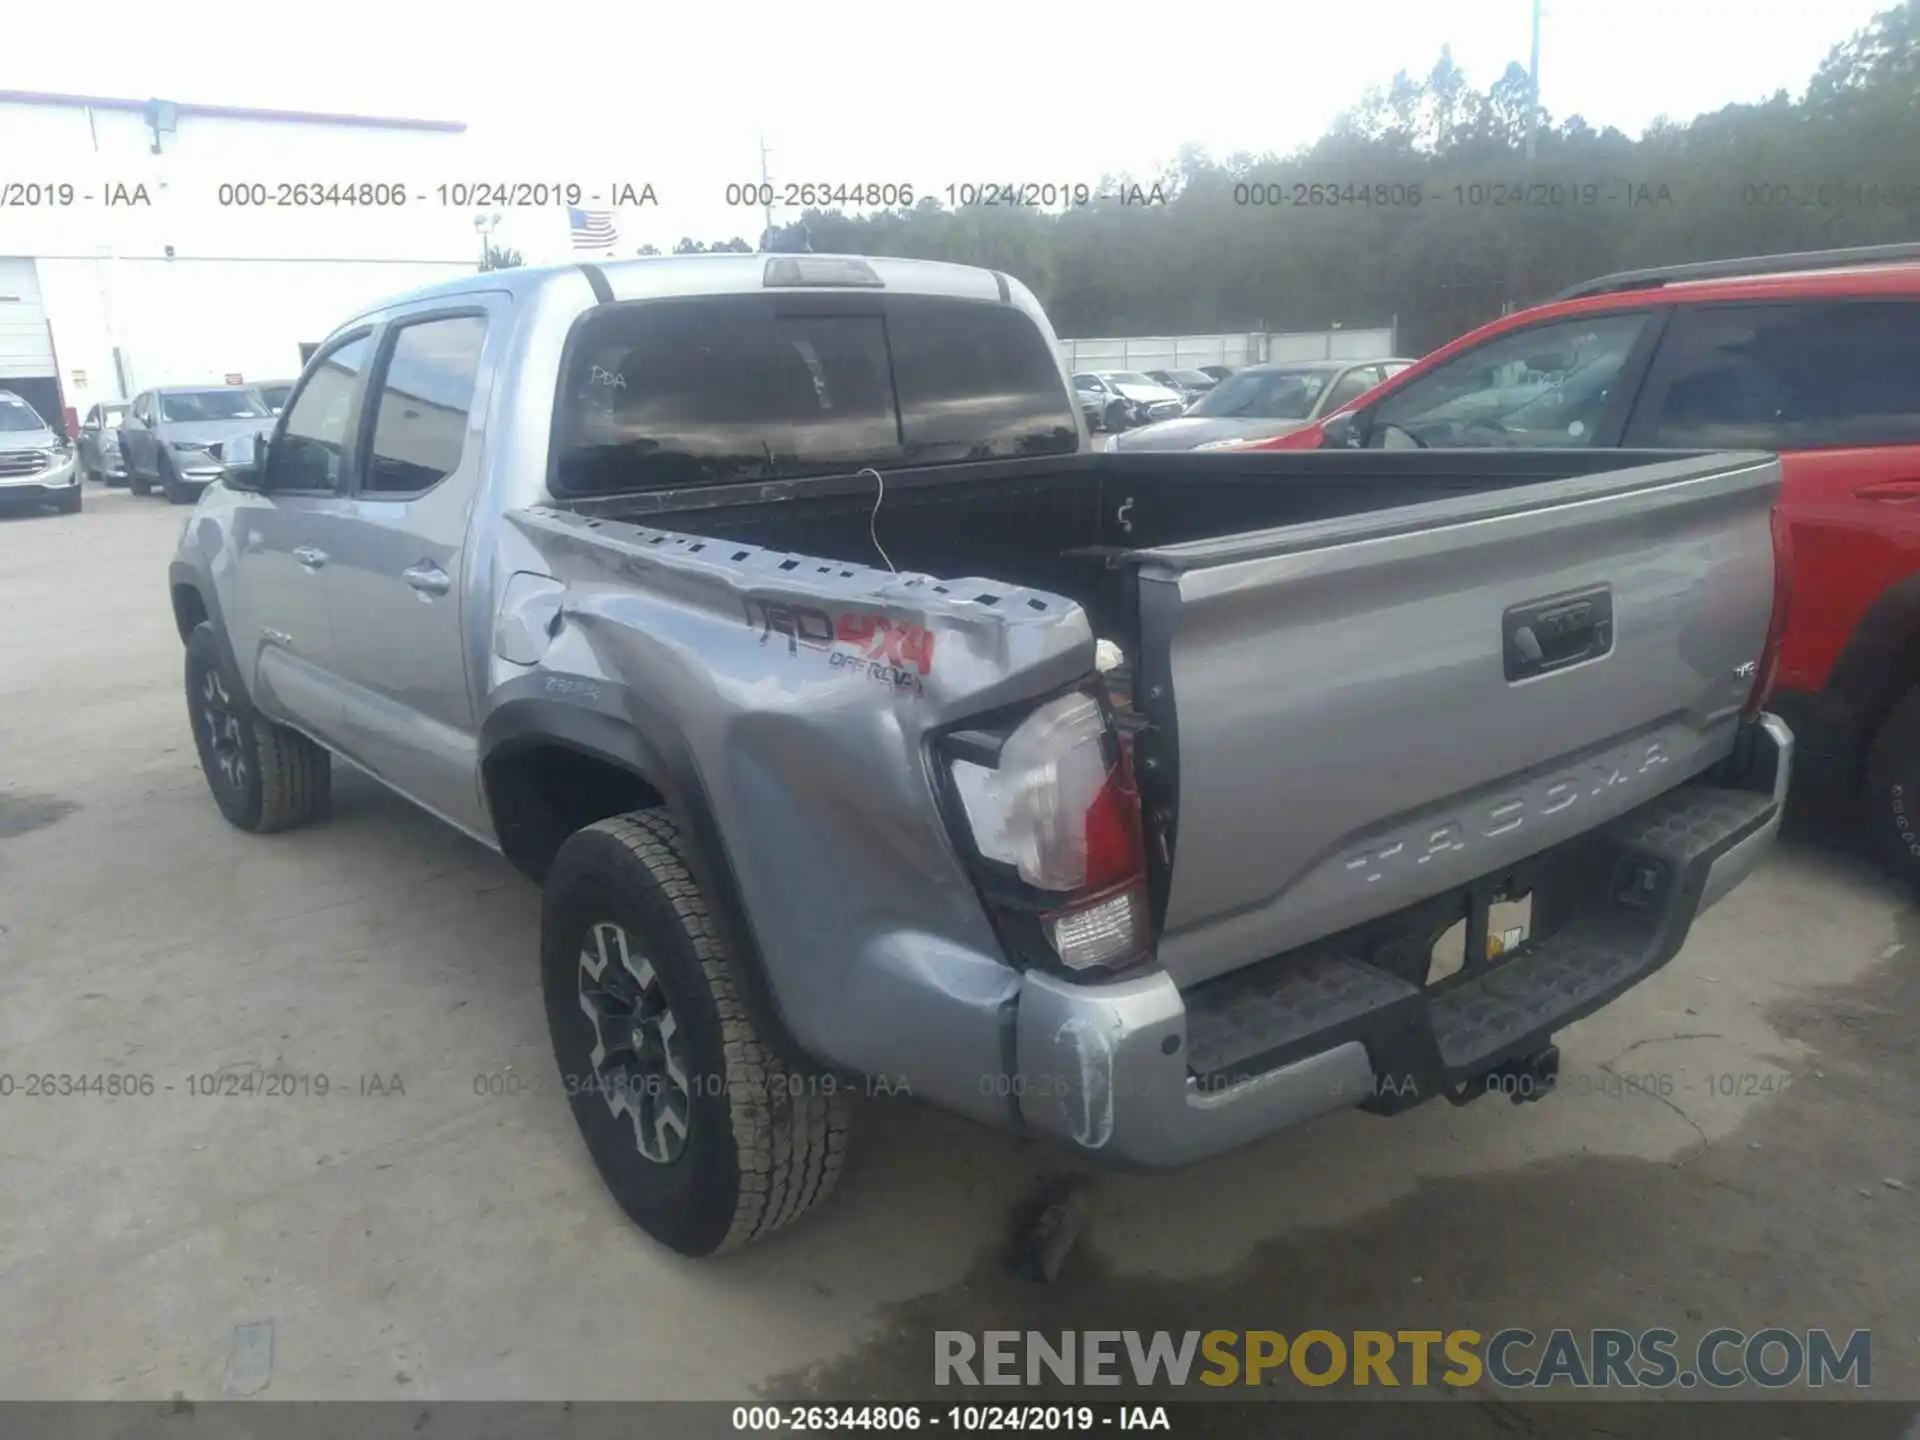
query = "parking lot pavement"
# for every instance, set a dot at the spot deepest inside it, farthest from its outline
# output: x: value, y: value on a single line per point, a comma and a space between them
x: 1733, y: 1144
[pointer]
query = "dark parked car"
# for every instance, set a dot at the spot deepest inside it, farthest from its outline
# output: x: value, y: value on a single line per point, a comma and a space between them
x: 100, y: 445
x: 171, y: 438
x: 275, y: 393
x: 1263, y: 401
x: 1218, y: 372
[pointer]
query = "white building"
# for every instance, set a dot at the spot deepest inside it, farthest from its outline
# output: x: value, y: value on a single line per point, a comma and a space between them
x: 147, y: 242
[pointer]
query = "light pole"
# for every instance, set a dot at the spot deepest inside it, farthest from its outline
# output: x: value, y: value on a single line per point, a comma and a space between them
x: 483, y: 225
x: 766, y: 185
x: 1533, y: 87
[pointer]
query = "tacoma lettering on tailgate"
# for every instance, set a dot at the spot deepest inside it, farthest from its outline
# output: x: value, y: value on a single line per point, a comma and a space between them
x: 1549, y: 796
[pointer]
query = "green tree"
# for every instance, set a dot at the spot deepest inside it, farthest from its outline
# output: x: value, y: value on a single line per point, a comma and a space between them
x: 1348, y: 244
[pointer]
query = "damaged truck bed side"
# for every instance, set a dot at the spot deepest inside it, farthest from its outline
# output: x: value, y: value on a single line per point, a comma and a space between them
x: 861, y: 722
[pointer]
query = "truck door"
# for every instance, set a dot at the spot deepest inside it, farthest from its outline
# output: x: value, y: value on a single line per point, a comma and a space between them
x: 396, y: 583
x: 284, y: 537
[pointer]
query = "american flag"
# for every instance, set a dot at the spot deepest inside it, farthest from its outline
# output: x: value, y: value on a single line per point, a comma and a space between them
x: 592, y: 229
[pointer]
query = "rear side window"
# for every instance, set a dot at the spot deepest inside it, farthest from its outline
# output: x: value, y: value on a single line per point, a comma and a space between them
x: 1351, y: 386
x: 425, y: 396
x: 1786, y: 377
x: 672, y: 393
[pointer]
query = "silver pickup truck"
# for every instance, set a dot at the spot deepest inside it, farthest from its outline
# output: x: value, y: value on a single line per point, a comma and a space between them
x: 863, y: 726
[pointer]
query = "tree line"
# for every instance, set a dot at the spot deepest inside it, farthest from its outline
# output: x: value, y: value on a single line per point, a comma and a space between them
x: 1420, y: 207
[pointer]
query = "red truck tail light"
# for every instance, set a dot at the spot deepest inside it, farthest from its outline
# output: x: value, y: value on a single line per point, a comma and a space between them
x: 1769, y: 667
x: 1055, y: 819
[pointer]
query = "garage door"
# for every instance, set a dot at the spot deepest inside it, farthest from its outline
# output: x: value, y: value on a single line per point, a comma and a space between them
x: 26, y: 347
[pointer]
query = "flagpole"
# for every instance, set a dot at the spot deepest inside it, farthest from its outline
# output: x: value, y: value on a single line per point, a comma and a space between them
x: 766, y: 184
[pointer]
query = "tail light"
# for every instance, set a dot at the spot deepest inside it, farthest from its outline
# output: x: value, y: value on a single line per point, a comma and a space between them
x: 1053, y: 819
x: 1769, y: 667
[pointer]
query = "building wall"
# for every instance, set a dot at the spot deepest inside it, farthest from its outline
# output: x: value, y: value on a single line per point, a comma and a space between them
x: 244, y: 286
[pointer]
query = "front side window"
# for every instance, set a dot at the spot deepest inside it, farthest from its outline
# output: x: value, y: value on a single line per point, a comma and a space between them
x: 1264, y: 395
x: 1548, y: 385
x: 190, y: 405
x: 311, y: 451
x: 1787, y: 377
x: 691, y: 392
x: 426, y: 394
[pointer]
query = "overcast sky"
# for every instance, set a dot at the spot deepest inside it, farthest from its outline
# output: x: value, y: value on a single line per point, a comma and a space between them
x: 991, y: 90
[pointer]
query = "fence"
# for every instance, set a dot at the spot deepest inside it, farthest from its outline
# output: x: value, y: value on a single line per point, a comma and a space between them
x: 1168, y: 352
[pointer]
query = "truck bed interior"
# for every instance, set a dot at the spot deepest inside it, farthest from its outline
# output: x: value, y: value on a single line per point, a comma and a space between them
x: 1057, y: 525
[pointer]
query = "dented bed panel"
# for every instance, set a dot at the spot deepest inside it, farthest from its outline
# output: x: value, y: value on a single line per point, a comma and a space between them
x: 805, y: 690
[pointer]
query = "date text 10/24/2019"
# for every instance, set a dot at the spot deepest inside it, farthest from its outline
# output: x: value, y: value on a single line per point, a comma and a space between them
x: 899, y: 1419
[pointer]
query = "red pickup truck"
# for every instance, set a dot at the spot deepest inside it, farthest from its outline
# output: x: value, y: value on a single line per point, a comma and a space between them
x: 1815, y: 356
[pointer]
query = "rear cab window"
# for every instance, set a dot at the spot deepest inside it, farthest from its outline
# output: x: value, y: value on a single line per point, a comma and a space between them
x: 662, y: 394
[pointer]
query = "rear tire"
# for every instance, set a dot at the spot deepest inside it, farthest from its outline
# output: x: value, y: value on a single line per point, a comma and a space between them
x: 702, y: 1134
x: 1892, y: 790
x: 264, y: 777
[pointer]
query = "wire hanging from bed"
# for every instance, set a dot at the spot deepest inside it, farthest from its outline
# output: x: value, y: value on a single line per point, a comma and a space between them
x: 873, y: 520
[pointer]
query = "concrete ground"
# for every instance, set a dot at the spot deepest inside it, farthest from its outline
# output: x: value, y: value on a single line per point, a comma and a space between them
x: 431, y: 1227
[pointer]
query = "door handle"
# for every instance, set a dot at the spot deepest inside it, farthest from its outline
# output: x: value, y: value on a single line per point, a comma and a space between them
x: 1891, y: 490
x: 311, y: 558
x: 428, y: 578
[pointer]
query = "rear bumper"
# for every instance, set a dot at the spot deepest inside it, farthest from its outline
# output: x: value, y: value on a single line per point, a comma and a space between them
x: 1140, y: 1073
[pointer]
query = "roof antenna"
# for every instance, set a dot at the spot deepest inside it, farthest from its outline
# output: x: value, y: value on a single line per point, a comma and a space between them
x: 873, y: 520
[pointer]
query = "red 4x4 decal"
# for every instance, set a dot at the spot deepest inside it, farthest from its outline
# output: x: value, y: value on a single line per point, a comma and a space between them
x: 878, y: 638
x: 891, y: 651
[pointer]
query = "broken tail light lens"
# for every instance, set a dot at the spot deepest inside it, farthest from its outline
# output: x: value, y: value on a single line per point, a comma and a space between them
x: 1056, y: 818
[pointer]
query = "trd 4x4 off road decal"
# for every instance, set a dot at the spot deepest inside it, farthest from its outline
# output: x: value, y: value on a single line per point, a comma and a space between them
x: 893, y: 652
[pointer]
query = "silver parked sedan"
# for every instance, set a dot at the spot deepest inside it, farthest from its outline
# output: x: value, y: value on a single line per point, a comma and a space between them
x: 171, y: 438
x: 1263, y: 401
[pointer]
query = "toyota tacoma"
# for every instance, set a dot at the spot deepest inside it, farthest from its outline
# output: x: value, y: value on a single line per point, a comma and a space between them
x: 774, y: 613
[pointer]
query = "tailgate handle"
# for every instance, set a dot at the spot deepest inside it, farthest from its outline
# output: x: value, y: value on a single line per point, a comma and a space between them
x: 1542, y: 636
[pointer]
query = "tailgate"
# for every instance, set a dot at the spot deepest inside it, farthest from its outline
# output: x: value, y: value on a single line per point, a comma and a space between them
x: 1368, y: 711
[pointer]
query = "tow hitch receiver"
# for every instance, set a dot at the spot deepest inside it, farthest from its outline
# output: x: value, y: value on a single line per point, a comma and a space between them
x: 1522, y: 1079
